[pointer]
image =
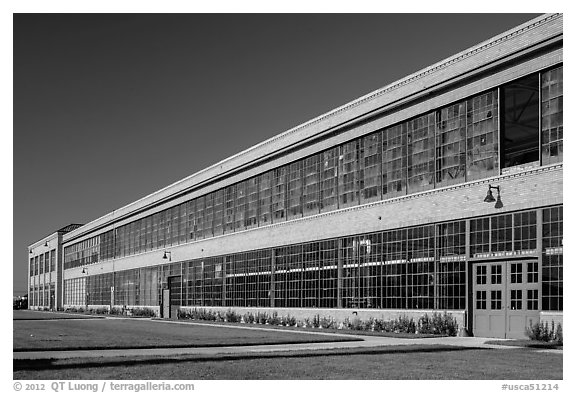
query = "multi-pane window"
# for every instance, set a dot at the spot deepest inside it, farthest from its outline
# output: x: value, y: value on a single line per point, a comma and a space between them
x: 182, y: 230
x: 479, y: 236
x: 451, y: 145
x: 329, y: 178
x: 482, y: 136
x: 229, y: 198
x: 481, y: 274
x: 240, y: 205
x: 421, y: 153
x: 191, y: 208
x: 279, y: 194
x: 520, y: 122
x: 532, y: 272
x: 265, y: 199
x: 496, y: 274
x: 251, y: 218
x: 502, y: 232
x: 208, y: 215
x: 451, y: 274
x: 395, y: 259
x: 41, y: 264
x: 420, y: 268
x: 394, y: 159
x: 294, y: 190
x: 525, y: 231
x: 311, y: 190
x: 516, y: 273
x: 328, y: 273
x: 532, y: 299
x: 516, y: 299
x: 496, y: 300
x: 311, y: 275
x: 218, y: 223
x: 200, y: 208
x: 349, y: 176
x: 552, y: 116
x: 371, y: 166
x: 481, y: 300
x: 552, y: 259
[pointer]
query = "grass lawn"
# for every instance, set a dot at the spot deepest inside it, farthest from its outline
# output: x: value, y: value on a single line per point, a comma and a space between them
x: 19, y: 315
x: 527, y: 343
x: 310, y: 329
x: 405, y: 362
x: 30, y: 335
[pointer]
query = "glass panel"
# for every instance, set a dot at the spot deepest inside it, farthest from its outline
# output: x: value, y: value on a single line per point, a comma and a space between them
x: 482, y: 136
x: 495, y: 300
x: 329, y: 175
x: 451, y: 145
x: 229, y: 199
x: 394, y: 161
x: 552, y: 116
x: 265, y: 199
x: 521, y: 123
x: 496, y: 274
x: 371, y: 166
x: 481, y: 300
x: 295, y: 190
x: 311, y: 192
x: 251, y: 219
x: 240, y: 206
x: 279, y: 194
x: 349, y: 174
x: 218, y: 218
x: 421, y: 153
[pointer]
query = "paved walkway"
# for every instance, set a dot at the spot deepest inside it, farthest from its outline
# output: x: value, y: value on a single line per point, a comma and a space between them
x: 366, y: 342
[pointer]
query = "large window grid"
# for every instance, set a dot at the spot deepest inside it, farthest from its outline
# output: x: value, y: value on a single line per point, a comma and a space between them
x: 251, y: 220
x: 451, y: 272
x: 394, y: 161
x: 451, y: 145
x: 371, y: 168
x: 349, y: 175
x: 421, y: 153
x: 265, y: 199
x: 294, y: 208
x: 552, y: 259
x: 240, y: 205
x: 329, y: 177
x: 482, y: 136
x: 311, y: 190
x: 552, y: 116
x: 407, y: 154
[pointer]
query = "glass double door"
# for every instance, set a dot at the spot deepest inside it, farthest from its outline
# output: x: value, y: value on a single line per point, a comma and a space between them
x: 506, y: 298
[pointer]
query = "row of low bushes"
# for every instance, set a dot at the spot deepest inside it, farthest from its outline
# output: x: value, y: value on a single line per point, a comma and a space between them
x: 137, y: 312
x: 440, y: 324
x: 541, y: 332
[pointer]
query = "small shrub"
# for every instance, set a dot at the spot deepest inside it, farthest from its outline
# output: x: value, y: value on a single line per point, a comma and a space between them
x: 144, y: 312
x: 316, y: 321
x: 327, y: 323
x: 290, y: 320
x: 273, y: 319
x: 249, y: 318
x: 231, y: 316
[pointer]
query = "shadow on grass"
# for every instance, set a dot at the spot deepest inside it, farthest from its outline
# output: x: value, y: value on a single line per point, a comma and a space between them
x: 163, y: 346
x: 53, y: 364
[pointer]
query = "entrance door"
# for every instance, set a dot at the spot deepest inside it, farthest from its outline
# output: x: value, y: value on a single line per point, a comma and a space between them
x: 522, y: 298
x: 505, y: 298
x: 175, y: 285
x: 165, y: 303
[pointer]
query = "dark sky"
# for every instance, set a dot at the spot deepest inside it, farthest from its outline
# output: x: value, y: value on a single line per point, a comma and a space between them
x: 110, y: 108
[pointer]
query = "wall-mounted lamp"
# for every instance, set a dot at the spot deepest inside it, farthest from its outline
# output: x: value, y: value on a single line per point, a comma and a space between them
x: 85, y: 270
x: 167, y: 255
x: 490, y: 197
x: 46, y: 244
x: 31, y: 252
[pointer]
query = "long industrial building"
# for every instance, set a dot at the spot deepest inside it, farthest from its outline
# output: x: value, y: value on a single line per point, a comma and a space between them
x: 439, y: 192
